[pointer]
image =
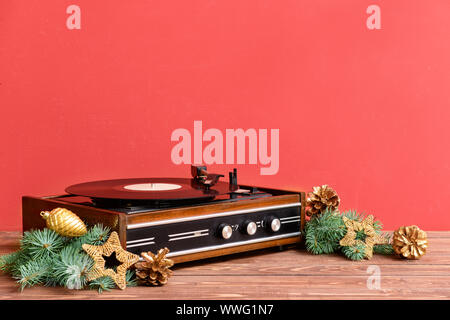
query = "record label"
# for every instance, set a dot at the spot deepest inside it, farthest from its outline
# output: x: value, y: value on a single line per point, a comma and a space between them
x: 152, y: 186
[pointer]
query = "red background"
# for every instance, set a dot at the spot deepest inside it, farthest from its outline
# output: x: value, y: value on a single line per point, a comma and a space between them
x: 365, y: 111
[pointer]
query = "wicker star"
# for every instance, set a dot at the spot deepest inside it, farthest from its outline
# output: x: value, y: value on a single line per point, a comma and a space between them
x: 110, y: 246
x: 372, y: 237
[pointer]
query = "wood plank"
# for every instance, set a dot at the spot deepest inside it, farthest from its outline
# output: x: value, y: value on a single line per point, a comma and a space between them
x: 271, y: 274
x: 273, y: 287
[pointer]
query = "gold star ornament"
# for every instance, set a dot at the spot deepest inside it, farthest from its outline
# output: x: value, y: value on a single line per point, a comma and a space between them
x: 126, y: 258
x: 361, y: 232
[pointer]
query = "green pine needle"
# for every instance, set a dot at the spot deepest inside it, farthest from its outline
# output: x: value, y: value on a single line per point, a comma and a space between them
x: 70, y: 268
x: 354, y: 215
x: 31, y: 273
x: 356, y: 252
x: 106, y: 283
x: 8, y: 261
x: 42, y: 243
x: 102, y: 284
x: 96, y: 235
x: 131, y: 280
x: 323, y: 232
x: 385, y: 249
x: 46, y: 257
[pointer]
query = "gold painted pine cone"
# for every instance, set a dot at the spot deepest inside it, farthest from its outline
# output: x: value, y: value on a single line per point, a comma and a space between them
x: 410, y: 242
x: 154, y: 270
x: 320, y: 199
x: 64, y: 222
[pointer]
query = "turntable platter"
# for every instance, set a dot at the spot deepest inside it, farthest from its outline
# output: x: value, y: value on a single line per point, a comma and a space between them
x: 163, y: 189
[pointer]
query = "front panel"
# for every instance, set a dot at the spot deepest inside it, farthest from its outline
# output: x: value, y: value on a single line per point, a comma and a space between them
x: 219, y: 230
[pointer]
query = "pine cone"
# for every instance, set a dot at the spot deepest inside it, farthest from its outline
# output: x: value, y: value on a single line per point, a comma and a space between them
x: 410, y: 242
x: 154, y: 270
x: 320, y: 199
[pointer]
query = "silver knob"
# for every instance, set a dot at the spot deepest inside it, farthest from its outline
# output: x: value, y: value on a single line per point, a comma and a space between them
x: 275, y: 224
x: 225, y: 231
x: 250, y: 227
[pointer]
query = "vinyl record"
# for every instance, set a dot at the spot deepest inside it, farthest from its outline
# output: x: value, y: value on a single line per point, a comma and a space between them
x: 164, y: 189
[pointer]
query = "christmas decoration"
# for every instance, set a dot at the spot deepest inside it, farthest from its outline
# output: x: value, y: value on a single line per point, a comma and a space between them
x: 70, y: 268
x: 154, y: 270
x: 107, y: 283
x: 112, y: 245
x: 323, y: 232
x: 354, y: 215
x: 42, y: 243
x: 47, y: 258
x: 355, y: 252
x: 410, y: 242
x: 386, y: 247
x: 322, y: 198
x: 361, y: 233
x: 64, y: 222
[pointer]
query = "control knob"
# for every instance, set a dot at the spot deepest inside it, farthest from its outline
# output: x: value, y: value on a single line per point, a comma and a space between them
x: 225, y: 231
x: 273, y: 224
x: 249, y: 227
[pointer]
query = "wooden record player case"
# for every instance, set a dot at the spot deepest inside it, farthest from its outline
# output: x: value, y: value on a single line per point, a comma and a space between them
x: 136, y: 229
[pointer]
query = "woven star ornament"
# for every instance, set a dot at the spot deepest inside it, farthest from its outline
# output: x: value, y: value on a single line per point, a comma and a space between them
x: 126, y: 258
x: 355, y: 227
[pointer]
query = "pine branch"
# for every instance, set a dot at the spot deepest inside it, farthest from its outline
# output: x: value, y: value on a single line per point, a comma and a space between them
x: 8, y: 261
x: 131, y: 280
x: 101, y: 284
x: 323, y: 232
x: 42, y: 243
x: 96, y: 235
x: 356, y: 252
x: 385, y: 249
x: 70, y: 268
x: 31, y: 273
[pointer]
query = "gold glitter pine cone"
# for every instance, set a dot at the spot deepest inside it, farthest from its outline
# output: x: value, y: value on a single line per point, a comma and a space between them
x: 321, y: 198
x: 154, y: 270
x: 64, y: 222
x: 410, y: 242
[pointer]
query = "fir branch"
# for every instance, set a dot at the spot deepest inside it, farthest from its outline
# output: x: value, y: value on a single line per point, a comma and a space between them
x: 22, y: 258
x: 355, y: 252
x: 33, y: 272
x: 70, y: 268
x: 42, y: 243
x: 131, y: 280
x: 101, y: 284
x: 96, y: 235
x: 323, y: 232
x: 354, y: 215
x: 385, y: 249
x: 8, y: 261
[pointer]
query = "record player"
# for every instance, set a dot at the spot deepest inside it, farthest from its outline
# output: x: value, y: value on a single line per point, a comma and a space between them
x: 196, y: 218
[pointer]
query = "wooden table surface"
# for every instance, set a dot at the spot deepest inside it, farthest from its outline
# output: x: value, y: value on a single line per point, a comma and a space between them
x: 274, y: 274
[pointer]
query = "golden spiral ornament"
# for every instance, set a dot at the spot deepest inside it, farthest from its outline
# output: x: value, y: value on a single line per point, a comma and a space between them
x: 64, y: 222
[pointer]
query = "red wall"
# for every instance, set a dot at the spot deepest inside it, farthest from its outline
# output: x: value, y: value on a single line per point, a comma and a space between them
x: 365, y: 111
